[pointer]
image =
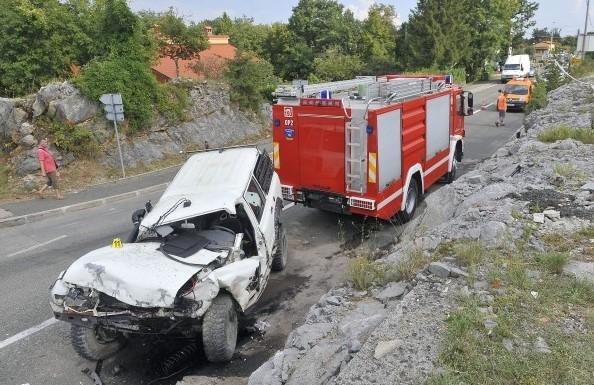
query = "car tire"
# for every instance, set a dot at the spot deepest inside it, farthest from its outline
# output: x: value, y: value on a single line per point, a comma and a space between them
x: 412, y: 200
x: 95, y: 343
x: 451, y: 175
x: 219, y: 329
x: 281, y: 250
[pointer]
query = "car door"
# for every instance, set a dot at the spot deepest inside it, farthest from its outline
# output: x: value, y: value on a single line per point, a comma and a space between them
x: 262, y: 206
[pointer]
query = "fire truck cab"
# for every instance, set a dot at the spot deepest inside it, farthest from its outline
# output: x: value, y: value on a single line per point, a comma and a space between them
x: 369, y: 146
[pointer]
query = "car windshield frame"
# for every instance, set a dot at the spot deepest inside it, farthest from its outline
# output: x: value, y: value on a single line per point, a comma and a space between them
x: 516, y: 89
x: 512, y: 67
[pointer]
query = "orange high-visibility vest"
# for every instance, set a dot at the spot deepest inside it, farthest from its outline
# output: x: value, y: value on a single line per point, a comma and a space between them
x: 501, y: 103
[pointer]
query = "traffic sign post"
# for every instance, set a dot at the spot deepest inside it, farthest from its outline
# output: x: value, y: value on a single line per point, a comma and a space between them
x: 114, y: 111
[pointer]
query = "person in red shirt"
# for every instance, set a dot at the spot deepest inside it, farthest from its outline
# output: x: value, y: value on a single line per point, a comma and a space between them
x: 49, y: 168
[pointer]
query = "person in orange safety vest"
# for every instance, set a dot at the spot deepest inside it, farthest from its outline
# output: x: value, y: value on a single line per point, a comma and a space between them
x: 501, y: 108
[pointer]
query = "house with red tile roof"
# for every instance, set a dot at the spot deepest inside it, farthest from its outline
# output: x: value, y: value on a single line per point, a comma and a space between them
x: 210, y: 62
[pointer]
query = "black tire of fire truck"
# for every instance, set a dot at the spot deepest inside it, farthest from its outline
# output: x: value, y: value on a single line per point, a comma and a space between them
x: 281, y: 250
x: 412, y: 200
x: 219, y: 329
x: 95, y: 343
x: 451, y: 175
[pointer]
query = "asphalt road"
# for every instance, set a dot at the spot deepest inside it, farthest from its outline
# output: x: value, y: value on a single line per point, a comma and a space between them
x: 35, y: 350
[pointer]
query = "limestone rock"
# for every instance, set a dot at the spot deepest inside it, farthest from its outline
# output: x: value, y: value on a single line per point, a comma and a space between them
x: 580, y: 270
x: 439, y: 269
x: 384, y: 347
x: 28, y: 141
x: 74, y: 109
x: 538, y: 218
x: 7, y: 123
x: 393, y: 290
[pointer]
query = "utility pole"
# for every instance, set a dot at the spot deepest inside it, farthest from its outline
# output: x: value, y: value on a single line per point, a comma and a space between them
x: 585, y: 30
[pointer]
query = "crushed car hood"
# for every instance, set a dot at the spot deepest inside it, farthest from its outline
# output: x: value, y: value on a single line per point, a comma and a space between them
x: 137, y: 274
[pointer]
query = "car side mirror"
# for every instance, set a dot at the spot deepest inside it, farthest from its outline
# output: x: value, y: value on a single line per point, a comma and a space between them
x: 148, y: 206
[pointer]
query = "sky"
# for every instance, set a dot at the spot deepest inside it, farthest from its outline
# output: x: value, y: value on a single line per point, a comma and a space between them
x: 568, y: 15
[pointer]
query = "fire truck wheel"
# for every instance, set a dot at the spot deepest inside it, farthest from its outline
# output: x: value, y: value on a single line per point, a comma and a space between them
x: 451, y: 176
x: 412, y: 198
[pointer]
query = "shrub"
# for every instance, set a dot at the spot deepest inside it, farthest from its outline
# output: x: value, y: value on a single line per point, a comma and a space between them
x: 173, y: 101
x: 127, y: 76
x: 251, y: 80
x: 70, y: 138
x: 584, y: 135
x: 554, y: 262
x: 539, y: 98
x: 585, y: 68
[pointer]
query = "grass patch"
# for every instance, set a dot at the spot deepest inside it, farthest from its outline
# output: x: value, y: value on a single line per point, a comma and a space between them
x: 408, y: 268
x: 586, y: 233
x: 470, y: 252
x: 3, y: 180
x: 365, y: 273
x: 471, y: 356
x: 517, y: 215
x: 553, y: 262
x: 550, y: 135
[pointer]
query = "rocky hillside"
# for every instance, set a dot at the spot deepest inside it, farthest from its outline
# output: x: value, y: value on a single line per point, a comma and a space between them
x: 210, y: 118
x: 492, y: 283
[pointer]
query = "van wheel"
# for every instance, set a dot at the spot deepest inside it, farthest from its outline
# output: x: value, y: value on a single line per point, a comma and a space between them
x: 451, y: 175
x: 412, y: 200
x: 219, y: 329
x: 281, y: 250
x: 95, y: 343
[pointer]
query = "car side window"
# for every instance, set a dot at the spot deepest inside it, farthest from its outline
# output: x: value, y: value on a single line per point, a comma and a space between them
x: 255, y: 199
x: 263, y: 172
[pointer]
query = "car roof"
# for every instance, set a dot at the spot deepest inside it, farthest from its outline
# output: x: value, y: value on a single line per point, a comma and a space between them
x: 212, y: 180
x: 522, y: 82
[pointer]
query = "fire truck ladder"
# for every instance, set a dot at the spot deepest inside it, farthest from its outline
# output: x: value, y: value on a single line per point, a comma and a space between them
x: 356, y: 156
x: 299, y: 90
x: 400, y: 89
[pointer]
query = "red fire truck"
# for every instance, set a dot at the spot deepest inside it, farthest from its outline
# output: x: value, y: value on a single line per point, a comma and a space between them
x: 369, y: 146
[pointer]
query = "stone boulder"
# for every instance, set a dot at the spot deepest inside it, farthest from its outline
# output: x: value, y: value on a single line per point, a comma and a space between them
x: 8, y: 124
x: 74, y: 109
x: 50, y: 93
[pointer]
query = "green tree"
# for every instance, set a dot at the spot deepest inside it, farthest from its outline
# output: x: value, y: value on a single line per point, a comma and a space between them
x: 290, y: 56
x: 35, y: 44
x: 379, y: 38
x: 179, y: 41
x: 522, y: 19
x: 333, y: 65
x: 251, y: 81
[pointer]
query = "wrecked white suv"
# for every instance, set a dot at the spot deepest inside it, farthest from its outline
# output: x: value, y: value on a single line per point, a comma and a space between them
x: 195, y: 261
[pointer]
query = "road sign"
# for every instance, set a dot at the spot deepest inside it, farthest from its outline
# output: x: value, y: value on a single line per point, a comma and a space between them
x: 114, y: 111
x: 111, y: 99
x: 111, y: 108
x: 114, y: 117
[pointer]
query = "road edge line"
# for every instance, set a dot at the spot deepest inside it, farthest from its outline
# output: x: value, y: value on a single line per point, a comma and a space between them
x: 34, y: 217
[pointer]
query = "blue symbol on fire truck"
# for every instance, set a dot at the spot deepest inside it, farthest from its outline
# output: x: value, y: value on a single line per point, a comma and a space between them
x: 289, y: 132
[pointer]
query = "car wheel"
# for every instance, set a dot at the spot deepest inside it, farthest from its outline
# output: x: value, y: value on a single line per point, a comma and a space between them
x: 451, y: 175
x: 281, y: 251
x: 412, y: 199
x: 219, y: 329
x: 95, y: 343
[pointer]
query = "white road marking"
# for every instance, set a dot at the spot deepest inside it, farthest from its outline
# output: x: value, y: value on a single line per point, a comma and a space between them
x: 289, y: 206
x: 482, y: 107
x: 27, y: 333
x: 37, y: 246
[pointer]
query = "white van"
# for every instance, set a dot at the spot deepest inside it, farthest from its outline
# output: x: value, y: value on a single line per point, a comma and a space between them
x: 516, y: 66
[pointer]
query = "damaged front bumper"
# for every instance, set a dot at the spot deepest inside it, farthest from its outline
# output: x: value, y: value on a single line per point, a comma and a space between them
x: 89, y: 307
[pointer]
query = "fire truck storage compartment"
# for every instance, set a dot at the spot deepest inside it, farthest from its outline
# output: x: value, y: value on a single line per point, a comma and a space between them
x: 321, y: 152
x: 389, y: 142
x: 438, y: 125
